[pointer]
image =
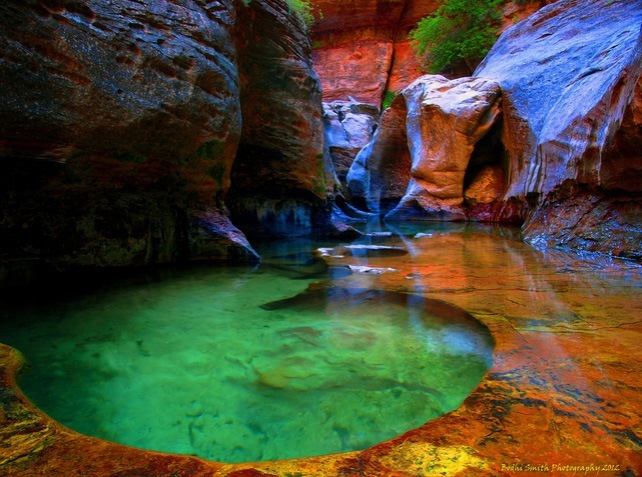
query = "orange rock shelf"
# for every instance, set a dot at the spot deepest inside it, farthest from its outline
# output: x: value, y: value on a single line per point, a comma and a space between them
x: 563, y: 397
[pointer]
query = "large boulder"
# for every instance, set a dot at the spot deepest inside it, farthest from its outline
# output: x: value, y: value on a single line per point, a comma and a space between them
x: 425, y: 144
x: 572, y: 123
x: 446, y: 119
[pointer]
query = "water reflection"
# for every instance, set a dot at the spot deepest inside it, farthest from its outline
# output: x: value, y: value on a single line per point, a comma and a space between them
x: 205, y: 361
x: 567, y: 329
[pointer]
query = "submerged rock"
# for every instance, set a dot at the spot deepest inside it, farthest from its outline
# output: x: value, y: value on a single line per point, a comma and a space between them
x: 568, y: 75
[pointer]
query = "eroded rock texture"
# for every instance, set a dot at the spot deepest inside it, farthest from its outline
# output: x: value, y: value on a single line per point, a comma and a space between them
x: 354, y: 43
x: 349, y: 126
x: 446, y: 118
x: 120, y: 122
x: 422, y: 151
x: 379, y: 175
x: 569, y: 76
x: 278, y: 178
x: 361, y: 48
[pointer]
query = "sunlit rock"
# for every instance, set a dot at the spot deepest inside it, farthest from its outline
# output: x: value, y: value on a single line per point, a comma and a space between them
x: 568, y: 75
x: 423, y: 146
x: 361, y: 48
x: 445, y: 120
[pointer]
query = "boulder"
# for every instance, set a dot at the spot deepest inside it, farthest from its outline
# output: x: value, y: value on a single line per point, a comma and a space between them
x: 424, y: 146
x: 569, y: 76
x: 380, y: 172
x: 349, y: 126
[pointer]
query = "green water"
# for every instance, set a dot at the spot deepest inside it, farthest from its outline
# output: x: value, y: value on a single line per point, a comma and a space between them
x: 242, y: 364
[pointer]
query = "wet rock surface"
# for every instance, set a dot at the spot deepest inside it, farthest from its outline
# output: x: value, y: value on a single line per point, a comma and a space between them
x: 563, y: 389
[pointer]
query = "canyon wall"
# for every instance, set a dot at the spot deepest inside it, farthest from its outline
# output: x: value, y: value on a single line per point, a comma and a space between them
x: 570, y: 79
x: 120, y: 124
x: 561, y: 155
x: 278, y: 179
x: 361, y: 48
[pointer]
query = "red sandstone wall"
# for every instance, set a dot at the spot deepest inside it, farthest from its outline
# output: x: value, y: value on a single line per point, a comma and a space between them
x: 361, y: 47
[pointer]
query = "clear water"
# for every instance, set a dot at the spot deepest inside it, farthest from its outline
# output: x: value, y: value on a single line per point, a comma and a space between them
x: 242, y: 364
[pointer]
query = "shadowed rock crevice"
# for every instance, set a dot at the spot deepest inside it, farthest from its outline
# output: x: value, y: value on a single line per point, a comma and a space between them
x: 279, y: 178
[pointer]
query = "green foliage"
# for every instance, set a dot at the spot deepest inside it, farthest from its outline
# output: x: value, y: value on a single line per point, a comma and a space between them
x: 304, y: 10
x: 388, y: 97
x: 458, y: 30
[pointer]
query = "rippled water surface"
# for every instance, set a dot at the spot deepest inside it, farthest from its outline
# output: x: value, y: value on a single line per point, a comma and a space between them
x: 243, y: 364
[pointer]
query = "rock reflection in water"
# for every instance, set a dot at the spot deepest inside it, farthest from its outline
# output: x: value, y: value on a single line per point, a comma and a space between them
x: 206, y: 362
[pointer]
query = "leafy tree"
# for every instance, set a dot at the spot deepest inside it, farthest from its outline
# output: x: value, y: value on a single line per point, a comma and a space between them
x: 458, y: 30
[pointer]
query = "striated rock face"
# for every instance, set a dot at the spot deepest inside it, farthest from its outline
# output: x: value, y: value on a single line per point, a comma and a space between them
x: 572, y: 123
x: 356, y: 43
x: 118, y: 126
x: 361, y: 48
x: 358, y: 70
x: 278, y: 178
x: 120, y: 123
x: 427, y: 137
